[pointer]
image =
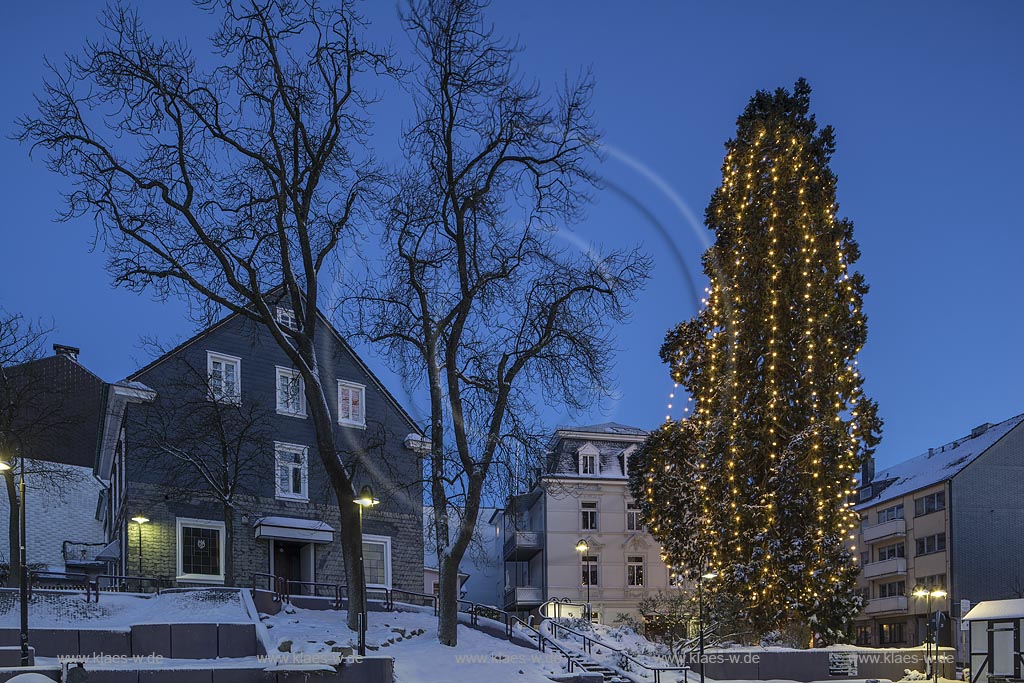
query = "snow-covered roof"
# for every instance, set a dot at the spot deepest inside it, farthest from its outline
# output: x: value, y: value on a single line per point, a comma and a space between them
x: 614, y: 428
x: 996, y: 609
x: 938, y: 464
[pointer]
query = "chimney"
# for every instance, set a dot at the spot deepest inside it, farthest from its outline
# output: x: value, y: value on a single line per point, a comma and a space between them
x: 980, y: 429
x: 931, y: 451
x: 70, y: 352
x: 867, y: 472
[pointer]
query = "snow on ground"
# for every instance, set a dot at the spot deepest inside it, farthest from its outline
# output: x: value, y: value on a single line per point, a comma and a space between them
x: 411, y: 638
x: 119, y: 611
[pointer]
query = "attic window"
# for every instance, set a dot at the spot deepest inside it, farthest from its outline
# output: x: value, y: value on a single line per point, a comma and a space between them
x: 286, y: 317
x: 589, y: 464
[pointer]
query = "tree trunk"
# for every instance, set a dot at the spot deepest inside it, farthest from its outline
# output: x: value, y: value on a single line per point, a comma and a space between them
x: 13, y: 532
x: 350, y: 532
x: 448, y: 613
x: 351, y: 542
x: 229, y: 545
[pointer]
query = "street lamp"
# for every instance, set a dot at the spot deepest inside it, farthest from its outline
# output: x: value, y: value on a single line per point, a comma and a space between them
x: 23, y: 584
x: 706, y: 576
x: 922, y: 591
x: 365, y: 500
x: 582, y: 547
x: 140, y: 520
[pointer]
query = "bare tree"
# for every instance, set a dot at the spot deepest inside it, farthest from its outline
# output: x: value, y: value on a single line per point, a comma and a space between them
x: 220, y: 449
x: 223, y: 185
x: 33, y: 416
x: 477, y: 301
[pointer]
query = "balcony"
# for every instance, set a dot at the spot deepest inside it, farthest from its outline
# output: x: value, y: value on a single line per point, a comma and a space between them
x: 523, y: 597
x: 897, y: 566
x: 894, y: 528
x: 522, y: 545
x: 895, y: 603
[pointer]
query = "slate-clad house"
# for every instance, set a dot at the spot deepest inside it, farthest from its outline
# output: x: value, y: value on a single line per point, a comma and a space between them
x: 67, y: 423
x: 284, y: 517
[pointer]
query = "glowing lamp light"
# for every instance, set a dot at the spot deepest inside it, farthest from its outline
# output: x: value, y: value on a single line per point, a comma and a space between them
x: 366, y: 498
x: 582, y: 546
x: 4, y: 466
x: 139, y: 519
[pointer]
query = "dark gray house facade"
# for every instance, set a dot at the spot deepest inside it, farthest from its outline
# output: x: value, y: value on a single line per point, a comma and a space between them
x: 223, y: 466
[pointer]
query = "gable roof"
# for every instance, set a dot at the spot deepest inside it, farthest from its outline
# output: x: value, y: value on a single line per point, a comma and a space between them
x: 938, y: 464
x: 322, y: 320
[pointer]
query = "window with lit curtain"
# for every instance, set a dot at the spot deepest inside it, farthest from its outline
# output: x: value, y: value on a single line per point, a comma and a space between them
x: 351, y: 403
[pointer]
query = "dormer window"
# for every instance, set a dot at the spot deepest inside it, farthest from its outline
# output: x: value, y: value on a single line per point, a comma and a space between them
x: 626, y: 454
x: 286, y: 318
x: 589, y: 460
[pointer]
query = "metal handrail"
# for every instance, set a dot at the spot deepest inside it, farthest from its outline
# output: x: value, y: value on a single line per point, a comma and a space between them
x: 389, y: 603
x: 277, y: 585
x: 588, y: 647
x: 541, y: 640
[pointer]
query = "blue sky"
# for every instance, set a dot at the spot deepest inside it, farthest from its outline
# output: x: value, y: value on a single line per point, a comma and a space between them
x: 926, y: 99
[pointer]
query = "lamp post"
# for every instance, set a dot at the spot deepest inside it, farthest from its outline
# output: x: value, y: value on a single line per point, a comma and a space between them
x: 140, y: 520
x: 939, y: 594
x: 365, y: 500
x: 922, y: 591
x: 582, y: 547
x: 707, y: 575
x: 23, y: 559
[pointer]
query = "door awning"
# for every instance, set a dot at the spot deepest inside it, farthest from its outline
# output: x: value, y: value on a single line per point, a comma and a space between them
x: 294, y: 529
x: 111, y: 553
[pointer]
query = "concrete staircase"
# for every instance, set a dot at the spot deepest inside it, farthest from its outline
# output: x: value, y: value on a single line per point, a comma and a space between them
x: 590, y: 666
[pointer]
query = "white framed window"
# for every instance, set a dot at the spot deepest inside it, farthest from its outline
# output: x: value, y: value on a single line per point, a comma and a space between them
x: 633, y: 517
x: 377, y: 561
x: 634, y: 570
x: 351, y: 404
x: 291, y: 393
x: 590, y: 463
x: 225, y: 377
x: 588, y: 515
x: 292, y: 469
x: 200, y: 550
x: 589, y: 565
x: 286, y: 317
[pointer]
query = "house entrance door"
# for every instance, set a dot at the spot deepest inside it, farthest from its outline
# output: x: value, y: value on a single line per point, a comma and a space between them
x: 288, y: 563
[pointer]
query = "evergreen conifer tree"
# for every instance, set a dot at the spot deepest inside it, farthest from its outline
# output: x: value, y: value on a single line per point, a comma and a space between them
x: 756, y: 483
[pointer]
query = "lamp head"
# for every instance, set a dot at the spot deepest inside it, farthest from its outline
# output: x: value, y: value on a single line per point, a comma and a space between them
x: 4, y: 465
x: 582, y: 546
x: 938, y: 593
x: 920, y: 591
x: 366, y: 498
x: 709, y: 575
x: 139, y: 519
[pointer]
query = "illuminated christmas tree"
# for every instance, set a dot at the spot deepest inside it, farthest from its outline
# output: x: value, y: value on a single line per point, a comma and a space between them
x: 755, y: 483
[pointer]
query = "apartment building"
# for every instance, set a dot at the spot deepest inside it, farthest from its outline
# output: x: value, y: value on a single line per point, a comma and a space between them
x: 582, y: 494
x: 951, y: 518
